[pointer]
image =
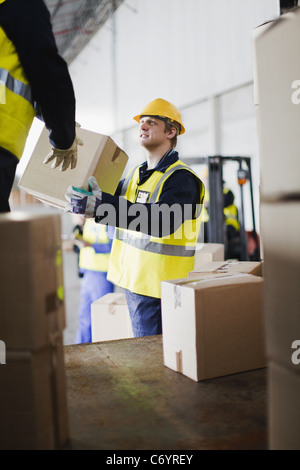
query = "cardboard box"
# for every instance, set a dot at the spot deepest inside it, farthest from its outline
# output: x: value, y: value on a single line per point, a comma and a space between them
x: 229, y: 267
x: 110, y: 318
x: 283, y: 408
x: 33, y: 404
x: 99, y: 157
x: 277, y: 97
x: 213, y: 327
x: 280, y: 231
x: 206, y: 252
x: 31, y: 279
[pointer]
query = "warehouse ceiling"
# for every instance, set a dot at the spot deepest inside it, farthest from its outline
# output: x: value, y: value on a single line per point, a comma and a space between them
x: 76, y: 21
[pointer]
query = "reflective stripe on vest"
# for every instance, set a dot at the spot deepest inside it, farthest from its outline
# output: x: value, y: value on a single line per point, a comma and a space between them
x: 16, y: 106
x: 88, y: 258
x: 139, y: 262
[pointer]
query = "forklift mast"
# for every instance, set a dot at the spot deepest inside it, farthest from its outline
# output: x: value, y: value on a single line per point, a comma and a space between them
x: 215, y: 226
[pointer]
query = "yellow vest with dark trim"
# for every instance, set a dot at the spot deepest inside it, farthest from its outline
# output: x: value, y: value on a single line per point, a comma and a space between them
x: 231, y: 216
x: 139, y: 262
x: 88, y: 258
x: 16, y: 106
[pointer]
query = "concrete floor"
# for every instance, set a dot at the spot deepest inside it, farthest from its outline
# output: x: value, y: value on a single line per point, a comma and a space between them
x: 122, y: 397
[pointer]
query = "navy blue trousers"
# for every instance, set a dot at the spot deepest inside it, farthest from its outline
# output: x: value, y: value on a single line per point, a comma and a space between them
x: 8, y: 165
x: 145, y: 314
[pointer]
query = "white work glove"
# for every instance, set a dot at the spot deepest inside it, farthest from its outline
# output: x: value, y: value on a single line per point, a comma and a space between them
x: 84, y: 202
x: 65, y: 158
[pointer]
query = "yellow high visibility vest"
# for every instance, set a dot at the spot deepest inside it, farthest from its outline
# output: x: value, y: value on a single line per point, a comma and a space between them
x: 139, y: 262
x: 16, y: 106
x: 88, y: 258
x: 231, y: 216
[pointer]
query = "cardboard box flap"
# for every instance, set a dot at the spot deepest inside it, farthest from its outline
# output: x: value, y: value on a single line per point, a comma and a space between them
x: 229, y: 267
x: 206, y: 280
x: 112, y: 299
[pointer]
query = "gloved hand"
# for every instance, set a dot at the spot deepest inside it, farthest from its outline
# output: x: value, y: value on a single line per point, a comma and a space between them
x: 84, y: 202
x: 65, y: 157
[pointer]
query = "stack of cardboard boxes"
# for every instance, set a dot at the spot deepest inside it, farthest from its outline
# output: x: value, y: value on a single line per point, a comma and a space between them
x: 33, y: 406
x: 213, y: 320
x: 277, y: 99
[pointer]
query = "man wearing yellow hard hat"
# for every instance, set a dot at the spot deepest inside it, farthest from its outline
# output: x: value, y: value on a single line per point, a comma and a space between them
x: 157, y: 210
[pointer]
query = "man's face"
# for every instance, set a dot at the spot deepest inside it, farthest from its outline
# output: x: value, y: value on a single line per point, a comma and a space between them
x: 152, y: 132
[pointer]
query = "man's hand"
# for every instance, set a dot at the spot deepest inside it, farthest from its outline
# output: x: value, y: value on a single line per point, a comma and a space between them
x: 65, y: 158
x: 85, y: 203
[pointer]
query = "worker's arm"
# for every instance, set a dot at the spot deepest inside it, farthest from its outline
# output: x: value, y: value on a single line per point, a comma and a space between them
x: 27, y: 24
x: 177, y: 202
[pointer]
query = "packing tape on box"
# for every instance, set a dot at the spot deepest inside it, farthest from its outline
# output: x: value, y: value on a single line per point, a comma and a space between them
x: 179, y: 361
x: 177, y: 296
x: 177, y: 287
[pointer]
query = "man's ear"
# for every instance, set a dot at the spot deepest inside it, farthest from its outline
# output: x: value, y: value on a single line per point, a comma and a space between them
x: 172, y: 132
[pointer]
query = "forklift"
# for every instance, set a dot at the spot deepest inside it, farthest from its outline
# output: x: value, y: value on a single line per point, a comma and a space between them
x: 245, y: 245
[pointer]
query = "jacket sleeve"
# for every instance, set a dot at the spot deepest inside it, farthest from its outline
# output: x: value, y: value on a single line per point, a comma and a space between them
x: 27, y: 24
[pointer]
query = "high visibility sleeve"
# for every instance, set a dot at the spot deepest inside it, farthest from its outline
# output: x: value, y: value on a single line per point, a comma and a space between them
x: 27, y: 24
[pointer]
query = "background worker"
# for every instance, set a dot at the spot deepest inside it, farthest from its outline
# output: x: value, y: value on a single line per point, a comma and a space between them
x: 150, y: 251
x: 232, y: 226
x: 34, y: 81
x: 95, y: 246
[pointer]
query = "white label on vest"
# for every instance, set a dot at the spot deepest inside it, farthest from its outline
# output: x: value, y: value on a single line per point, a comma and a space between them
x: 142, y: 197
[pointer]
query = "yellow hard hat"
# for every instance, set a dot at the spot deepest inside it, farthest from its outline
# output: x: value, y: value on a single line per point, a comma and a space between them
x: 164, y: 109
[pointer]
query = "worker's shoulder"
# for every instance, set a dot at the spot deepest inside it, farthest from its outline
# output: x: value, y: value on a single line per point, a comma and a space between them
x: 183, y: 171
x: 183, y: 178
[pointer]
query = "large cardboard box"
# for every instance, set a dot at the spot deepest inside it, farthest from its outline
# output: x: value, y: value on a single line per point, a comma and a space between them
x: 206, y: 252
x: 31, y: 279
x: 277, y: 99
x: 213, y: 327
x: 229, y: 267
x: 99, y: 157
x: 280, y: 230
x: 33, y: 403
x: 283, y: 408
x: 110, y: 318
